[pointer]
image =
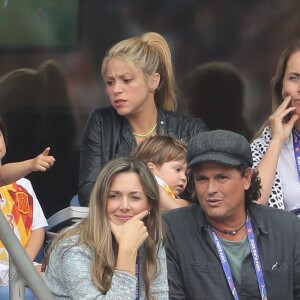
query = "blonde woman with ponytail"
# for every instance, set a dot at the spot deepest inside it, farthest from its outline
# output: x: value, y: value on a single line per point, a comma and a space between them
x: 140, y: 84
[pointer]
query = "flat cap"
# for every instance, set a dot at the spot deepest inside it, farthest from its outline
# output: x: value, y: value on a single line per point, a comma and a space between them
x: 220, y: 146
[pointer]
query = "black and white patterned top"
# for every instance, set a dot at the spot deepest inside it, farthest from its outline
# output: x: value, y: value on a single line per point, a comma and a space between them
x: 259, y: 147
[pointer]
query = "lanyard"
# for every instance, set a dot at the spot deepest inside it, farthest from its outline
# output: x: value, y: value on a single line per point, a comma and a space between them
x: 225, y: 264
x: 137, y: 270
x: 296, y: 143
x: 255, y: 257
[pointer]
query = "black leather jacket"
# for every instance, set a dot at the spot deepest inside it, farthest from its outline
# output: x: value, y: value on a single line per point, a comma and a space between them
x: 108, y: 135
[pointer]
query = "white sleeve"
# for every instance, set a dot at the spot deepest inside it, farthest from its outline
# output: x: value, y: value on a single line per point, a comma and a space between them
x: 39, y: 219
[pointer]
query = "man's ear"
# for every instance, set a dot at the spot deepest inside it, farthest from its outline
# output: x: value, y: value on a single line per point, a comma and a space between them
x: 247, y: 178
x: 152, y: 167
x: 154, y: 81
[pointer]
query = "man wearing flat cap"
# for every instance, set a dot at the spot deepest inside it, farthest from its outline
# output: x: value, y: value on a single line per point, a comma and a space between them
x: 227, y: 246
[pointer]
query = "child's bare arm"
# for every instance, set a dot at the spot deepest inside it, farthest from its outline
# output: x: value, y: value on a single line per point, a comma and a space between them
x: 35, y: 242
x: 14, y: 171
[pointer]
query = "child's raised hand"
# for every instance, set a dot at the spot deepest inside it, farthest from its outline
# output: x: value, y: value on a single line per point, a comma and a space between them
x: 43, y: 161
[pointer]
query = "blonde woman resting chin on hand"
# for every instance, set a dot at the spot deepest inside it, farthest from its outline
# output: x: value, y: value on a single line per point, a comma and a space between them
x: 117, y: 252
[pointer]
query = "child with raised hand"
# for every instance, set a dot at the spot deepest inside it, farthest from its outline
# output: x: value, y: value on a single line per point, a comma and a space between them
x: 166, y: 158
x: 13, y: 171
x: 20, y: 205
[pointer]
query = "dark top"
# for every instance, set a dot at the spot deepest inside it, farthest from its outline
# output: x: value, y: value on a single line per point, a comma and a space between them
x: 194, y: 268
x: 108, y: 135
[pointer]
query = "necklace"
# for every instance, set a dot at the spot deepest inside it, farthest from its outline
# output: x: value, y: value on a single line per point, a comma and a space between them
x: 230, y: 232
x: 146, y: 134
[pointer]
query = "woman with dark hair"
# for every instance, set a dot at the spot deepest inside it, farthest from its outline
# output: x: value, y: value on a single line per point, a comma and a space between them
x: 276, y: 150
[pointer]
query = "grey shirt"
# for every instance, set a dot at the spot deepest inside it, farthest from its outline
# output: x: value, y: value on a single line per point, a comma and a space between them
x: 68, y: 276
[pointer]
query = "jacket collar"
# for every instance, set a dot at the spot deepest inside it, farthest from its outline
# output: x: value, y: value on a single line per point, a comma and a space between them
x: 258, y: 217
x: 161, y: 121
x: 256, y: 213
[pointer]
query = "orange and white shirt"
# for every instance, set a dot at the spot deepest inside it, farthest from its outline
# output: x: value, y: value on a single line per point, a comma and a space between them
x: 22, y: 210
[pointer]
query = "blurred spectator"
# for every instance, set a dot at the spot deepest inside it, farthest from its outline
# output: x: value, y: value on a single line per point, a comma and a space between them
x: 34, y: 104
x: 214, y: 92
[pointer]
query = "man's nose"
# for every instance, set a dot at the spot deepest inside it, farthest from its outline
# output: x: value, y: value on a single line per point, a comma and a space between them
x: 211, y: 186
